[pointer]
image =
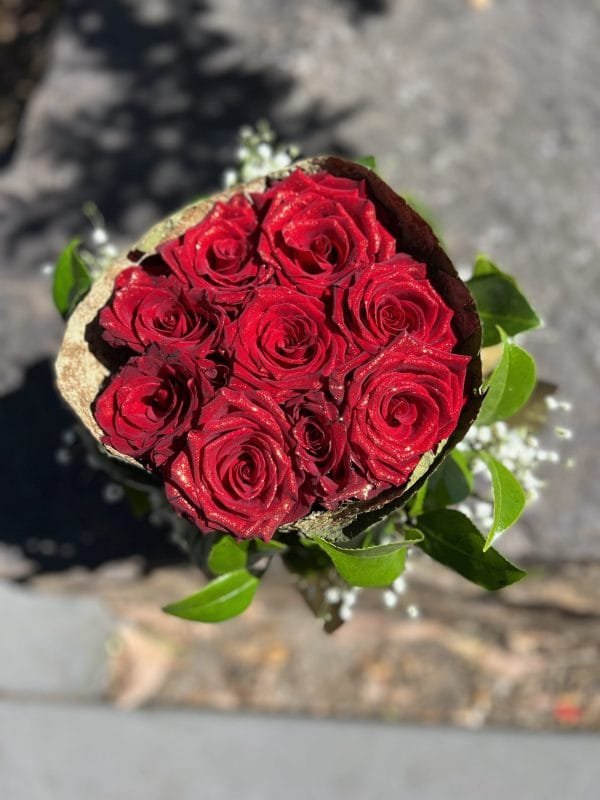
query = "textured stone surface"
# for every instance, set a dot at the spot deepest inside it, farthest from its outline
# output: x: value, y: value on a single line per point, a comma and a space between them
x: 52, y: 646
x: 491, y: 116
x: 449, y: 653
x: 49, y: 752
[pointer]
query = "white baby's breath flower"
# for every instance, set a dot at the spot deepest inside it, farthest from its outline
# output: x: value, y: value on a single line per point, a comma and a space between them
x: 264, y: 151
x: 113, y: 492
x: 281, y: 160
x: 230, y: 178
x: 350, y: 597
x: 62, y: 456
x: 110, y: 250
x: 68, y: 436
x: 99, y: 236
x: 333, y: 595
x: 563, y: 433
x: 258, y: 154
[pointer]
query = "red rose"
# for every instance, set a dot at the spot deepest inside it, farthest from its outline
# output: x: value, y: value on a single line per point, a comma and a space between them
x: 146, y: 309
x: 322, y: 450
x: 219, y: 254
x: 387, y: 300
x: 402, y: 404
x: 235, y: 472
x: 151, y: 402
x: 319, y: 230
x: 283, y: 343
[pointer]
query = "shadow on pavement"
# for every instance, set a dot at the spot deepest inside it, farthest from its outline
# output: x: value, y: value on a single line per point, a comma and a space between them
x: 359, y: 9
x: 168, y: 128
x: 53, y: 506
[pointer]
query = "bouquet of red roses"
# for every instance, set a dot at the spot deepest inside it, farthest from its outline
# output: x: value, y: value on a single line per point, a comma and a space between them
x: 293, y: 359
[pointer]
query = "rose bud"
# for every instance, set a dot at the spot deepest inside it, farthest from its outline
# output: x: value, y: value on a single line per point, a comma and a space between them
x: 235, y: 472
x: 322, y: 450
x: 147, y: 309
x: 151, y: 402
x: 284, y: 343
x: 219, y: 254
x: 400, y: 405
x: 319, y: 230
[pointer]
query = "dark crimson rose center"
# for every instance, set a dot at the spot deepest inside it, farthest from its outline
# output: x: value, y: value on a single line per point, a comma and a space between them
x: 323, y: 247
x: 162, y: 399
x: 401, y: 411
x: 315, y: 440
x: 391, y: 317
x: 225, y: 255
x: 169, y: 320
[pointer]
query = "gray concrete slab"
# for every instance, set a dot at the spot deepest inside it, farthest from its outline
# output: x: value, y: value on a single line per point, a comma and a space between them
x: 68, y: 753
x: 52, y: 645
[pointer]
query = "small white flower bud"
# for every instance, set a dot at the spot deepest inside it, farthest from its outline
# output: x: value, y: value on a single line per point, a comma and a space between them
x: 99, y: 236
x: 333, y: 595
x: 113, y: 492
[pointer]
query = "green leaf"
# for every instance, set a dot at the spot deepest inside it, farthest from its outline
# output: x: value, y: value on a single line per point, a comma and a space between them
x: 369, y: 162
x: 451, y: 483
x: 139, y: 501
x: 223, y: 598
x: 269, y: 548
x: 510, y: 384
x: 425, y: 212
x: 227, y: 555
x: 416, y: 502
x: 304, y: 557
x: 485, y: 266
x: 380, y: 532
x: 72, y: 279
x: 500, y: 302
x: 462, y: 462
x: 453, y: 540
x: 509, y: 497
x: 379, y: 565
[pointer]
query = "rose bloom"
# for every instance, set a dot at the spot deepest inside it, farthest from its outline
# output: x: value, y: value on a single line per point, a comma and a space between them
x: 235, y: 472
x: 284, y: 343
x: 219, y: 254
x: 387, y: 300
x: 152, y: 401
x: 318, y: 230
x: 400, y: 405
x: 321, y: 447
x: 148, y: 309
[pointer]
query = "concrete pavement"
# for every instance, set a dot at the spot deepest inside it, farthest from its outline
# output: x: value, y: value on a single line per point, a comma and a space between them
x: 51, y: 752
